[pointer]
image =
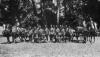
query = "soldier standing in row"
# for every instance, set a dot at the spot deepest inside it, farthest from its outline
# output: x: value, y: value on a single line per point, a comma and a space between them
x: 7, y: 32
x: 47, y: 33
x: 52, y: 33
x: 14, y: 33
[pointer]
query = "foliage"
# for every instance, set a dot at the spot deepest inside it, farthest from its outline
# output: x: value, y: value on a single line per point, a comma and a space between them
x: 30, y: 20
x: 29, y: 12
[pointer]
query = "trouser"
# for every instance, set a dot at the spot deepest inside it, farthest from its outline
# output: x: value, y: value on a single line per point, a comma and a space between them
x: 8, y: 35
x: 30, y: 38
x: 14, y: 36
x: 8, y: 39
x: 51, y: 37
x: 46, y: 37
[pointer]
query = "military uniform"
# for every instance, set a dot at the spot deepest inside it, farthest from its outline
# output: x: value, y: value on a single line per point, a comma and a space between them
x: 14, y: 33
x: 7, y: 32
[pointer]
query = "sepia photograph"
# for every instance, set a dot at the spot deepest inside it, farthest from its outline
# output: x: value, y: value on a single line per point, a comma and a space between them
x: 49, y: 28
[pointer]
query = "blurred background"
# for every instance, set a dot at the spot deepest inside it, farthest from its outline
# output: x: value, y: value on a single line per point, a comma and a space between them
x: 47, y: 12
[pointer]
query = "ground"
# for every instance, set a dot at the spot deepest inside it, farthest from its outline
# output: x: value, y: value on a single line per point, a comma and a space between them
x: 26, y: 49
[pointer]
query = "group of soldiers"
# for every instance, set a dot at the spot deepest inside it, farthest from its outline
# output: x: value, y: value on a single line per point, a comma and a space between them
x: 53, y: 33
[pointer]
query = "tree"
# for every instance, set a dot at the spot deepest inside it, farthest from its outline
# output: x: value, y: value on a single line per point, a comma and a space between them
x: 73, y: 10
x: 16, y: 9
x: 8, y: 10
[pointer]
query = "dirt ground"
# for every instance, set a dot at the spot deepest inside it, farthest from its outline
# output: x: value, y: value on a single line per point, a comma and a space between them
x: 26, y: 49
